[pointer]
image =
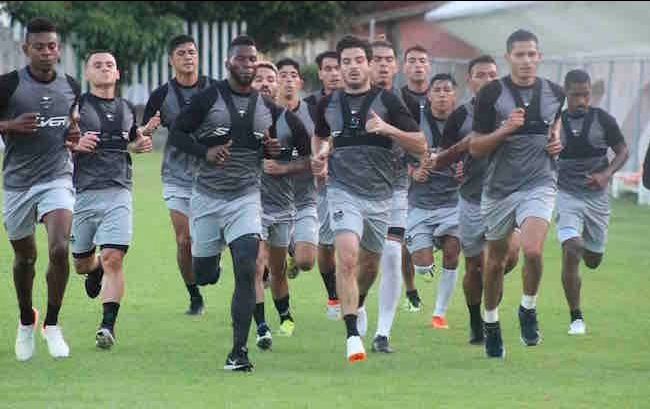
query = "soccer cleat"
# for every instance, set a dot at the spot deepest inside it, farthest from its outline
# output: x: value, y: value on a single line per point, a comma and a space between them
x: 93, y: 283
x: 197, y: 307
x: 476, y: 333
x: 333, y: 311
x: 412, y: 305
x: 578, y: 327
x: 104, y: 338
x: 355, y: 350
x: 292, y: 268
x: 56, y: 345
x: 362, y: 321
x: 286, y: 328
x: 493, y: 342
x: 25, y: 339
x: 264, y: 338
x: 529, y: 326
x: 380, y: 344
x: 238, y: 361
x: 439, y: 322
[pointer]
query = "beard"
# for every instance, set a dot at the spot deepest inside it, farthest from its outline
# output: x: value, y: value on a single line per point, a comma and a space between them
x: 244, y: 82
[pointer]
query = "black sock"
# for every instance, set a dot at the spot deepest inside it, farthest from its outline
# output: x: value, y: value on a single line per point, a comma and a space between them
x: 52, y: 316
x: 193, y: 289
x: 351, y: 325
x: 474, y: 313
x: 576, y: 315
x: 362, y: 299
x: 26, y: 315
x: 110, y: 314
x: 413, y: 295
x: 282, y: 305
x: 329, y: 279
x: 258, y: 314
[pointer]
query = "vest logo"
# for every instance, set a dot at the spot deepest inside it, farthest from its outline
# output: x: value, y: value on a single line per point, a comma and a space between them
x: 221, y: 131
x: 46, y: 103
x: 338, y: 215
x: 110, y: 117
x: 52, y: 122
x: 258, y: 135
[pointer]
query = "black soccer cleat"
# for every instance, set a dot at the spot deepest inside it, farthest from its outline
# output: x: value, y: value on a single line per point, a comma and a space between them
x: 493, y: 342
x: 238, y: 361
x: 476, y: 333
x: 93, y: 283
x: 380, y: 344
x: 529, y: 326
x: 196, y: 306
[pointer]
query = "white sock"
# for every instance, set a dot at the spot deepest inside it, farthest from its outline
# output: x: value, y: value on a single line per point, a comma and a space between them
x: 492, y: 316
x: 446, y: 286
x: 362, y: 321
x: 529, y: 302
x: 390, y: 286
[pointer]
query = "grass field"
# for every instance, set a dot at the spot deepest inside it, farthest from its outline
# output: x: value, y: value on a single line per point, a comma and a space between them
x: 164, y: 359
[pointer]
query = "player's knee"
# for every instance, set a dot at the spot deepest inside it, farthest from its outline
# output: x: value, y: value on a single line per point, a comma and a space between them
x: 25, y: 261
x: 532, y: 252
x: 305, y: 264
x: 204, y: 266
x: 450, y: 259
x: 58, y: 252
x: 573, y: 249
x: 244, y: 251
x: 112, y: 260
x: 593, y: 260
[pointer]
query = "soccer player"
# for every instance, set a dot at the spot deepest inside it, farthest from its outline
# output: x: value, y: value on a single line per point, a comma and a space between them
x: 103, y: 210
x: 515, y: 120
x: 329, y: 73
x: 165, y: 103
x: 433, y: 202
x: 364, y: 123
x: 227, y: 128
x: 455, y: 141
x: 417, y: 68
x: 584, y: 171
x: 35, y: 111
x: 278, y: 207
x: 384, y: 67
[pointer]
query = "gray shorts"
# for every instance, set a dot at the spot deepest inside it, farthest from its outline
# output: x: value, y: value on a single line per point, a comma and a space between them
x: 276, y: 229
x: 306, y: 226
x: 426, y: 227
x: 22, y: 209
x: 471, y: 226
x: 214, y: 223
x: 399, y: 209
x: 503, y: 215
x: 177, y: 198
x: 586, y: 217
x: 367, y: 218
x: 102, y: 217
x: 325, y: 233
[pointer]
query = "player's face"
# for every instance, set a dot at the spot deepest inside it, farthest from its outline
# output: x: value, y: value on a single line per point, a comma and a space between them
x: 355, y: 68
x: 241, y: 64
x: 417, y: 66
x: 384, y: 66
x: 524, y: 59
x: 101, y: 70
x: 185, y: 59
x: 578, y: 97
x: 289, y: 81
x: 442, y: 96
x: 482, y: 73
x: 42, y: 50
x: 330, y: 74
x: 266, y: 82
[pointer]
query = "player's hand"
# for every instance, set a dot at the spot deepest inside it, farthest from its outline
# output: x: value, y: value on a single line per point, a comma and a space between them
x: 219, y: 154
x: 459, y: 173
x: 554, y: 146
x: 598, y: 181
x: 25, y: 123
x: 152, y: 124
x: 274, y: 168
x: 421, y: 174
x: 87, y: 143
x: 376, y: 125
x: 515, y: 120
x: 272, y: 146
x: 319, y: 165
x: 143, y: 143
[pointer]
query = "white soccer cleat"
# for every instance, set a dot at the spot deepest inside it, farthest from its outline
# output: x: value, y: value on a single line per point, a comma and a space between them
x: 333, y: 311
x: 355, y: 350
x: 362, y: 321
x: 578, y: 327
x: 25, y: 339
x: 56, y: 345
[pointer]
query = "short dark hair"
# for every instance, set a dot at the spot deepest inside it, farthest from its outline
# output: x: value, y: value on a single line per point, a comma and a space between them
x: 443, y: 76
x: 576, y: 77
x: 350, y: 41
x: 417, y: 48
x: 241, y: 40
x: 291, y: 62
x: 98, y: 51
x: 39, y: 25
x: 382, y: 43
x: 325, y: 54
x: 520, y: 36
x: 483, y: 59
x: 177, y: 41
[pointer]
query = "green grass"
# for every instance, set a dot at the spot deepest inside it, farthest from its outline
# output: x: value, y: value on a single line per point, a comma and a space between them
x: 167, y: 360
